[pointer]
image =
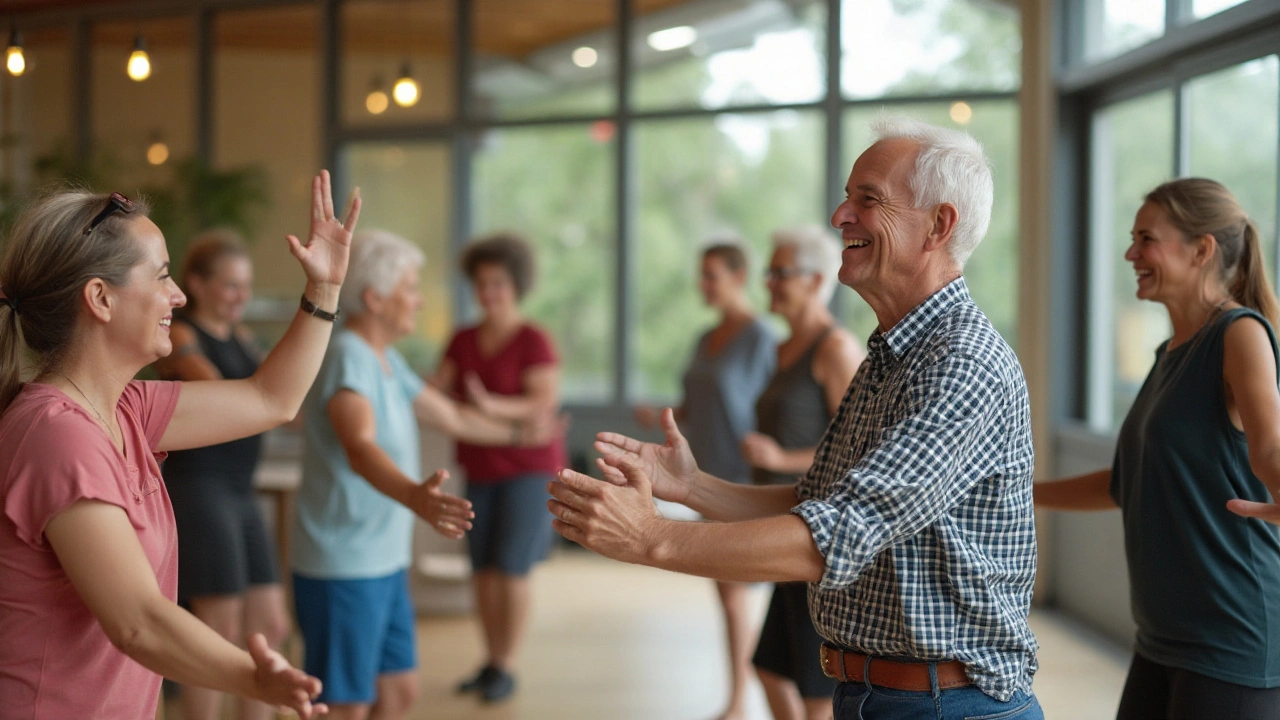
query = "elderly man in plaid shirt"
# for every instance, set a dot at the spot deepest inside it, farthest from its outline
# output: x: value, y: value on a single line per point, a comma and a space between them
x: 914, y: 526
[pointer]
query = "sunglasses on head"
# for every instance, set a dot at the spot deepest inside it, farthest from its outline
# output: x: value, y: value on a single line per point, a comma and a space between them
x: 115, y: 203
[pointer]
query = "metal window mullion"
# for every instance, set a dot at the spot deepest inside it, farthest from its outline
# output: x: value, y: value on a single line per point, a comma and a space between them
x: 329, y: 82
x: 834, y: 111
x: 1181, y: 130
x: 82, y: 89
x: 463, y: 147
x: 623, y: 209
x: 203, y: 62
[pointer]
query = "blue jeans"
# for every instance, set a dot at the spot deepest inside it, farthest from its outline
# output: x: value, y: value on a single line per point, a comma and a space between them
x: 859, y: 701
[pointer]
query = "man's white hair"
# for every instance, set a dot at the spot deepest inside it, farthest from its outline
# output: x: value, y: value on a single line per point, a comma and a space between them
x: 378, y: 260
x: 951, y: 168
x: 817, y: 250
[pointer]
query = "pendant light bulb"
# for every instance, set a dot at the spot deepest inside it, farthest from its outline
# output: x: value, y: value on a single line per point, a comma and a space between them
x: 406, y: 90
x: 139, y: 67
x: 14, y: 59
x: 376, y: 102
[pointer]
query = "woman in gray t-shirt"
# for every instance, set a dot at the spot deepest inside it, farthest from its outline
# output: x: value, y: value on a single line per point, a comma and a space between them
x: 730, y: 365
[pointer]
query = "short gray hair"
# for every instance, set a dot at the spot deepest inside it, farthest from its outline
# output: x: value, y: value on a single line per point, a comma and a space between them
x: 378, y: 259
x: 817, y: 250
x: 951, y: 168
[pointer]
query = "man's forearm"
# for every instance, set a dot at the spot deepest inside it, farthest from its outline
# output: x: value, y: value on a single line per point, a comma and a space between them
x: 773, y: 549
x: 717, y: 499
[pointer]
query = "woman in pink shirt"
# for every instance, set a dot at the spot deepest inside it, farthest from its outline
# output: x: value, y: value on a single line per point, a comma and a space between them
x: 88, y: 554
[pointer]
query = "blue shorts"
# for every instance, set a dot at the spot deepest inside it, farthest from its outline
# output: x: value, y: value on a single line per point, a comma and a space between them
x: 511, y: 531
x: 354, y: 631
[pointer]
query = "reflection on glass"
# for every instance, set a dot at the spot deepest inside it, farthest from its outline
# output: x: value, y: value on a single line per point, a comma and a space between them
x: 407, y: 184
x: 891, y: 47
x: 553, y: 185
x: 695, y: 180
x: 709, y: 54
x: 1216, y: 138
x: 381, y: 39
x: 1115, y: 26
x: 37, y: 125
x: 534, y: 58
x: 267, y: 121
x: 1132, y: 153
x: 123, y: 137
x: 992, y: 270
x: 1205, y: 8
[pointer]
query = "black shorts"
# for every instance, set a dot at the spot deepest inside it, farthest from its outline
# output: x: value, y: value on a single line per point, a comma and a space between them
x: 223, y: 547
x: 512, y: 530
x: 789, y: 645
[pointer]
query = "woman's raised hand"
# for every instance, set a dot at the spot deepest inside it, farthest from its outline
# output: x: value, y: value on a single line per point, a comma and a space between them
x: 324, y: 255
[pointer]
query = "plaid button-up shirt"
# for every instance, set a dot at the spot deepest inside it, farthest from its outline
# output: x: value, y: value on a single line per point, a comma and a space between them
x: 919, y: 498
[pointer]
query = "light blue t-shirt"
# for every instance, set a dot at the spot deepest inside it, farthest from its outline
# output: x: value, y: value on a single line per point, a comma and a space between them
x: 344, y: 527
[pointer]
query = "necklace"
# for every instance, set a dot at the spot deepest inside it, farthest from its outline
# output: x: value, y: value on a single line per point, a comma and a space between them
x: 92, y: 407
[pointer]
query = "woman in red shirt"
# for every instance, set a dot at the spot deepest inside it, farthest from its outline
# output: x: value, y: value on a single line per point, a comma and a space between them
x: 509, y: 369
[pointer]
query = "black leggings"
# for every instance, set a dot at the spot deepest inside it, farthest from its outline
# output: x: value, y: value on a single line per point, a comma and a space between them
x: 1157, y: 692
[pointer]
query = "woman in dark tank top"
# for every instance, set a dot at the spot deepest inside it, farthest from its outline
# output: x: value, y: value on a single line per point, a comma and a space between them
x: 1202, y: 438
x: 227, y: 574
x: 815, y: 366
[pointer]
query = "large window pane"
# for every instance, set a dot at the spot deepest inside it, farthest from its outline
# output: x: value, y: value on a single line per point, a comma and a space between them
x: 543, y: 57
x: 894, y: 47
x: 992, y: 270
x: 1132, y: 153
x: 381, y: 39
x: 704, y: 53
x: 1114, y: 26
x: 36, y: 127
x: 408, y: 193
x: 700, y: 179
x: 1216, y: 138
x: 554, y: 185
x: 133, y: 148
x: 267, y: 131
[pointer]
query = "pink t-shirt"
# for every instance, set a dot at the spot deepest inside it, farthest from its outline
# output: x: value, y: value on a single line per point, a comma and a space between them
x: 55, y: 659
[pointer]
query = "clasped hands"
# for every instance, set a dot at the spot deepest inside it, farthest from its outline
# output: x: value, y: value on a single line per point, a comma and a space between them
x: 616, y: 516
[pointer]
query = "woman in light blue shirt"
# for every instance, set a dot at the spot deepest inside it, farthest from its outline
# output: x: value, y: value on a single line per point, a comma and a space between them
x: 360, y: 487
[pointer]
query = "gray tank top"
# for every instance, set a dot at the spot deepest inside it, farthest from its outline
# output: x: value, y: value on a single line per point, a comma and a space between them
x: 792, y: 410
x: 719, y: 393
x: 1205, y: 583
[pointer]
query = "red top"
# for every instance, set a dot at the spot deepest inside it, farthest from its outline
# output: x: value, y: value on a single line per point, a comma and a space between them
x: 55, y: 659
x: 503, y: 374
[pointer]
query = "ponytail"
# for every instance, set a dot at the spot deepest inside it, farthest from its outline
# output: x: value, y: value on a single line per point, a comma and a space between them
x: 10, y: 355
x: 1249, y: 285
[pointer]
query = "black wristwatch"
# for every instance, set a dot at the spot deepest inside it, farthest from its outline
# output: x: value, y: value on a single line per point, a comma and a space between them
x: 310, y: 308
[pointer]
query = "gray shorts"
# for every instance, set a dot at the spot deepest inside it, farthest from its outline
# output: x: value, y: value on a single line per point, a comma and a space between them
x: 512, y: 529
x: 223, y: 546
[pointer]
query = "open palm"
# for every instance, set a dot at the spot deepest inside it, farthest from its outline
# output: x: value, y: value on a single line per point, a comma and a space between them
x: 325, y: 254
x: 670, y: 466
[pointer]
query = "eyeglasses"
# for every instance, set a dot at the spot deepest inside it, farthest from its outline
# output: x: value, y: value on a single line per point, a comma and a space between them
x: 116, y: 203
x: 775, y: 274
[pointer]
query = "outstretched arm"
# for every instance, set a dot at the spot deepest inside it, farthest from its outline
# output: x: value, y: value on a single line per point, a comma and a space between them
x: 1083, y: 492
x: 618, y: 520
x: 213, y: 412
x: 99, y: 550
x: 675, y: 477
x: 353, y: 422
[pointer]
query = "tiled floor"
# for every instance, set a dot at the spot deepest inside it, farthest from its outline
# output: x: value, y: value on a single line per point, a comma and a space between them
x: 628, y: 643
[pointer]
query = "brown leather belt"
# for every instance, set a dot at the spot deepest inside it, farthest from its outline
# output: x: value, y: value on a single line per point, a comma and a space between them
x: 847, y: 666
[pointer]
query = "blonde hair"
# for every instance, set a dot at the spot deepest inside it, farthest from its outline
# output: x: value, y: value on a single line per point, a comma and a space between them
x: 1199, y: 206
x: 48, y: 259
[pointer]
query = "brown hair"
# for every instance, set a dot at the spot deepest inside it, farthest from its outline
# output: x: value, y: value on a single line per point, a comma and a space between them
x: 207, y: 250
x: 507, y: 250
x: 1199, y: 206
x: 47, y: 261
x: 729, y: 253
